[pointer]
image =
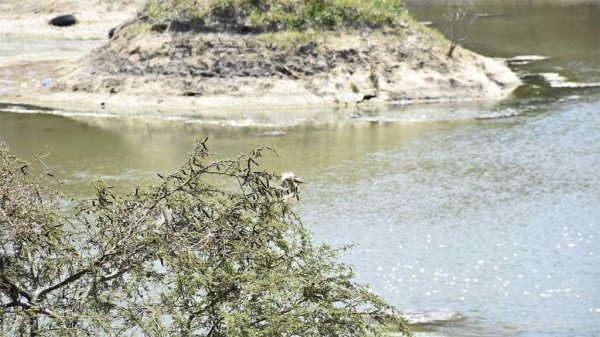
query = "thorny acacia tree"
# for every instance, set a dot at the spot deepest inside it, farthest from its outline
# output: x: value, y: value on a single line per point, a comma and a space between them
x: 182, y: 258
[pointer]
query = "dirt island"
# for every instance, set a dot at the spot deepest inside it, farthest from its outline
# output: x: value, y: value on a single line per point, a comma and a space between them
x: 190, y: 56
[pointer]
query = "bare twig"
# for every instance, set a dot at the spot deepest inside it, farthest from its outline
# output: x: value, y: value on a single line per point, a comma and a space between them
x: 460, y: 20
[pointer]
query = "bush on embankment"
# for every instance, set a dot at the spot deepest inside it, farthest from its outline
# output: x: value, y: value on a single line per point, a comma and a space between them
x: 272, y: 15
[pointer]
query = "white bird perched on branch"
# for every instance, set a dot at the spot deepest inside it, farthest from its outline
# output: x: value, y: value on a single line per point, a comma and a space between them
x: 292, y: 183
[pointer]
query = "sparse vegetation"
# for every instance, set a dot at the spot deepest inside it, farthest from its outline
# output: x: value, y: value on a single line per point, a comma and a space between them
x: 273, y: 15
x: 139, y: 28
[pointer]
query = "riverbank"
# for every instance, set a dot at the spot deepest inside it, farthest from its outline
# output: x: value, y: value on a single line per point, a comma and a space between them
x: 142, y: 69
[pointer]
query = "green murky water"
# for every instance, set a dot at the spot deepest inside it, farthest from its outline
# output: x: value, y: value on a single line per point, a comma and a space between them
x: 490, y: 208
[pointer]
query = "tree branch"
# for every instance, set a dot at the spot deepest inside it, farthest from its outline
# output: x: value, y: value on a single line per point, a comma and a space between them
x: 10, y: 286
x: 74, y: 277
x: 41, y: 293
x: 16, y: 304
x: 114, y: 274
x: 24, y: 305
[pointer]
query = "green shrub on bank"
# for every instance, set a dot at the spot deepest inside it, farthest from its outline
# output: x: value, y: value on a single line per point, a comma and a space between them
x: 275, y: 15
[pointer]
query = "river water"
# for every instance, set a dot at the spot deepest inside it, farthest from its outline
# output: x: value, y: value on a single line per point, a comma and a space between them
x: 492, y: 208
